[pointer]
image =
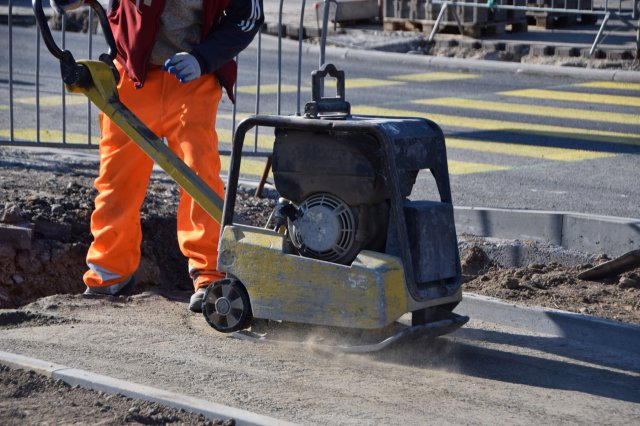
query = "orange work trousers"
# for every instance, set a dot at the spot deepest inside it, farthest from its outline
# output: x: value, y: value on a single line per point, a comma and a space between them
x: 185, y: 115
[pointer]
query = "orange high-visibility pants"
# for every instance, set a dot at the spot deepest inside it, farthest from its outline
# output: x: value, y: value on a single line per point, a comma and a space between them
x: 184, y: 114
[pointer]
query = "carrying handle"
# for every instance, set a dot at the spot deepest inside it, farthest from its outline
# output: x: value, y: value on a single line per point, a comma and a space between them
x: 72, y: 72
x: 321, y: 105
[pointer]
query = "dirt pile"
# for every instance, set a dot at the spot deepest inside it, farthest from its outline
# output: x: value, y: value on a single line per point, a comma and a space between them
x: 54, y: 200
x: 555, y: 286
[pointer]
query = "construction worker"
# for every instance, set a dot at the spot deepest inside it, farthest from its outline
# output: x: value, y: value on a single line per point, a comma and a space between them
x: 173, y: 57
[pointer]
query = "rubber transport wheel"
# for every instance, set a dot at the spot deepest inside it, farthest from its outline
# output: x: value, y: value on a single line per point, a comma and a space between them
x: 226, y: 305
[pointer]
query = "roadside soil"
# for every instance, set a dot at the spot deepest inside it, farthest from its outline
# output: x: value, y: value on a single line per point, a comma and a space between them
x: 28, y: 398
x: 53, y: 195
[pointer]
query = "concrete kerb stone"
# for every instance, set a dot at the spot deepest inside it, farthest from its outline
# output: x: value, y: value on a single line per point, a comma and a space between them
x: 582, y: 232
x: 565, y: 325
x: 97, y: 382
x: 336, y: 54
x: 594, y: 234
x: 600, y: 234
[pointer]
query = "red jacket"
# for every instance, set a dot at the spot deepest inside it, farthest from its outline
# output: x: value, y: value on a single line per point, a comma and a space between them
x: 228, y: 27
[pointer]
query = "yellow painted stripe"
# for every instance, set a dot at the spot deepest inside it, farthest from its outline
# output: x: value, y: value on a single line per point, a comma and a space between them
x: 229, y: 116
x: 49, y: 136
x: 265, y: 141
x: 270, y: 89
x: 248, y: 167
x: 466, y: 167
x: 511, y: 126
x: 54, y: 101
x: 360, y: 83
x: 520, y: 150
x: 610, y: 85
x: 354, y: 83
x: 433, y: 76
x: 570, y: 113
x: 633, y: 101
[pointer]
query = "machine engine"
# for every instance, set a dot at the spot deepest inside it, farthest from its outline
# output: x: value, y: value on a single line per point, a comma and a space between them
x: 339, y: 199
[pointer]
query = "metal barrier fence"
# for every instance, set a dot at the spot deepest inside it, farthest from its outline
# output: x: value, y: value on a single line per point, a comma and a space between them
x: 43, y: 87
x: 471, y: 16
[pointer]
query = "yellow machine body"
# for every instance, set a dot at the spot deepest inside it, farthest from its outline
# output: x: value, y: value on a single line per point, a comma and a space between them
x: 369, y: 293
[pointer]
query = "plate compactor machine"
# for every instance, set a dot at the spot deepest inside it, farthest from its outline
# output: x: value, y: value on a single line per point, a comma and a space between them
x: 345, y: 250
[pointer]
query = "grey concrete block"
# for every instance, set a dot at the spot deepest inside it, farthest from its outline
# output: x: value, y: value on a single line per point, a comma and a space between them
x: 542, y: 50
x: 518, y: 49
x: 600, y: 234
x: 209, y: 409
x: 511, y: 224
x: 17, y: 236
x: 620, y: 55
x: 582, y: 232
x: 97, y: 382
x: 567, y: 325
x: 353, y: 10
x: 567, y: 52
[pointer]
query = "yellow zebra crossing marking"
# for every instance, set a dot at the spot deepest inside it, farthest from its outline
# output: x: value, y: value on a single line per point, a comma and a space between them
x: 543, y: 111
x: 522, y: 150
x: 632, y: 101
x: 248, y: 166
x: 511, y: 126
x: 49, y: 136
x: 270, y: 89
x: 265, y: 140
x: 433, y: 76
x: 354, y: 83
x: 610, y: 85
x: 466, y: 167
x: 54, y: 101
x: 363, y: 83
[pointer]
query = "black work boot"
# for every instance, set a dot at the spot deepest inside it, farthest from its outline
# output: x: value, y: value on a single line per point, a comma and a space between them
x: 195, y: 303
x: 124, y: 288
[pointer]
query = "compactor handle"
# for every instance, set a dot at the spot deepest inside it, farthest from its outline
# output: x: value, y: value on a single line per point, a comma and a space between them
x: 322, y: 105
x: 73, y: 73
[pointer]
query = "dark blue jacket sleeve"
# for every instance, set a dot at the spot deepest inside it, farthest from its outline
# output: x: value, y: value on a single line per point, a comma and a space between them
x: 240, y: 23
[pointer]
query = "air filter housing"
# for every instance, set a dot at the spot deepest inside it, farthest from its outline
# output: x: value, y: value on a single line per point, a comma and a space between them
x: 324, y: 229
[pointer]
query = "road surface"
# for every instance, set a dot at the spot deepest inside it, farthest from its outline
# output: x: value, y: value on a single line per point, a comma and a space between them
x: 514, y: 140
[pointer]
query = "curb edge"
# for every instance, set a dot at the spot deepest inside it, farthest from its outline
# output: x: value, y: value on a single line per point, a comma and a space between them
x: 567, y: 325
x: 97, y: 382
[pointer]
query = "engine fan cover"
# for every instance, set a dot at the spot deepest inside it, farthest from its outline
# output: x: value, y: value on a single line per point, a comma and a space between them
x: 325, y: 228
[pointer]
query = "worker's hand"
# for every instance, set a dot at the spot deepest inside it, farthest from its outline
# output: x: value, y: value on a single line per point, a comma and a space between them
x: 184, y: 66
x: 62, y: 6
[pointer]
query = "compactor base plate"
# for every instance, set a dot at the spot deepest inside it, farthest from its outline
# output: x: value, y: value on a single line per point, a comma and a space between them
x: 337, y: 339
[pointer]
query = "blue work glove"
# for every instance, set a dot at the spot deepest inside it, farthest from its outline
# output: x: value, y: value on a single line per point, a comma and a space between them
x: 184, y: 66
x: 62, y: 6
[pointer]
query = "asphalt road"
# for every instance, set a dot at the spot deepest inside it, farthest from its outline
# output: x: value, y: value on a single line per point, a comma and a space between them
x: 516, y: 140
